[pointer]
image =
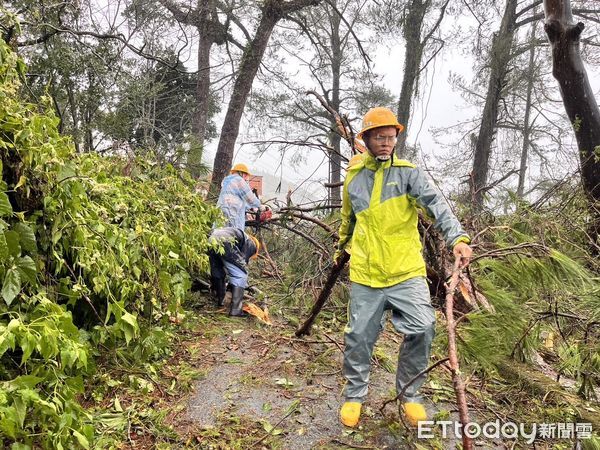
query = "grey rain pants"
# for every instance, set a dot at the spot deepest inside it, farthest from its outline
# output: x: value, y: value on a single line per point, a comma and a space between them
x: 412, y: 315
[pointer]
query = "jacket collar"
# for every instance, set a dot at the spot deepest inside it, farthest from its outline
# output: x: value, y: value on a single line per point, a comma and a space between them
x: 371, y: 163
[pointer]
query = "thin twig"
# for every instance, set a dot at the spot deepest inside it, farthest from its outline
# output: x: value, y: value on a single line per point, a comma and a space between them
x: 415, y: 378
x: 289, y: 413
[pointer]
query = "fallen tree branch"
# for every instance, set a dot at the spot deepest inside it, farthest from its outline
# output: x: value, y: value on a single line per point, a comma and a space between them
x: 334, y: 273
x: 308, y: 208
x: 316, y: 221
x: 545, y: 387
x: 300, y: 233
x: 515, y: 249
x: 459, y: 387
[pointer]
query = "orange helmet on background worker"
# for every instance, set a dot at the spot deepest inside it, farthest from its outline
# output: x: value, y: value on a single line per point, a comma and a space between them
x: 355, y: 160
x: 379, y: 117
x: 256, y: 244
x: 240, y: 167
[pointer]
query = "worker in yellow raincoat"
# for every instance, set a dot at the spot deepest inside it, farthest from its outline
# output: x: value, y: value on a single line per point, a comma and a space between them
x: 380, y: 204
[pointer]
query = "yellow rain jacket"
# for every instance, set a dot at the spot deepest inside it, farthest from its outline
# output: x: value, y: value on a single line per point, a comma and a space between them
x: 379, y: 220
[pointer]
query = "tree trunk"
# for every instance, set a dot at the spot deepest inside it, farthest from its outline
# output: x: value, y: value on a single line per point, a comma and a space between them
x: 412, y: 63
x: 200, y: 120
x: 335, y: 160
x: 210, y: 31
x: 499, y: 61
x: 241, y: 89
x: 526, y: 125
x: 577, y: 95
x: 73, y: 108
x: 272, y: 12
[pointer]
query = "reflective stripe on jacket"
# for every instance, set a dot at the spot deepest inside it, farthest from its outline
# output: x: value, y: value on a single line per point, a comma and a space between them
x: 379, y: 220
x: 235, y: 198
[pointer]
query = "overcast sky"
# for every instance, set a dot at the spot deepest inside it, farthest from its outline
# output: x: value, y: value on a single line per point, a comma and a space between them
x: 440, y: 106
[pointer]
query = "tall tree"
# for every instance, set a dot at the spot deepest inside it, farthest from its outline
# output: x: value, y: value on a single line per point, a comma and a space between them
x: 417, y: 37
x: 578, y: 96
x: 272, y: 11
x: 500, y: 60
x: 205, y: 19
x: 332, y: 28
x: 527, y: 125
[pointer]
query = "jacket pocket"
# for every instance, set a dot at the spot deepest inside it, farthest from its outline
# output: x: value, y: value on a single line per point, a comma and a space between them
x: 401, y: 255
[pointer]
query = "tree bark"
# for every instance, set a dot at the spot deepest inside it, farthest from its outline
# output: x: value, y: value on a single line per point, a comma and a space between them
x: 499, y: 61
x: 414, y: 54
x: 335, y: 159
x: 578, y: 96
x: 200, y: 120
x: 272, y: 12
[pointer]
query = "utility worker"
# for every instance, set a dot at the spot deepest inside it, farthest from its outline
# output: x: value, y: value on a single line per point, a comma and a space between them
x: 236, y: 197
x: 379, y: 221
x: 239, y: 248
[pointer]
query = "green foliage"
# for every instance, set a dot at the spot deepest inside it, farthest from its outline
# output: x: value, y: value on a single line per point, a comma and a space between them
x: 94, y: 253
x: 538, y: 291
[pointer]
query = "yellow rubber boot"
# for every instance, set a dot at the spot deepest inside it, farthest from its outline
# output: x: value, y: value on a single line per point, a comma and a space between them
x: 350, y: 413
x: 414, y: 412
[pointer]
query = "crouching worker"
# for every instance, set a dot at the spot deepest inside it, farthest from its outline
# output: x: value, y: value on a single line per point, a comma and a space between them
x: 238, y: 248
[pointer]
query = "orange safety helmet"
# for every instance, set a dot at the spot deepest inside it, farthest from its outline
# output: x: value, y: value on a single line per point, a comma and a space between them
x: 240, y: 167
x: 379, y: 117
x: 256, y: 244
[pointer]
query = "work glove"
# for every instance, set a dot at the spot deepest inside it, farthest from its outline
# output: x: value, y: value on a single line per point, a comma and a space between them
x: 266, y: 214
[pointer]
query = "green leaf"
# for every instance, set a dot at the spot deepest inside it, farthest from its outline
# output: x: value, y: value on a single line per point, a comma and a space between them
x: 3, y: 247
x: 27, y: 381
x: 68, y: 357
x: 20, y: 410
x: 129, y: 326
x: 66, y: 171
x: 11, y: 286
x: 27, y: 237
x: 130, y: 319
x: 270, y: 429
x: 12, y: 241
x: 284, y: 382
x: 27, y: 269
x: 27, y: 343
x: 294, y: 405
x: 5, y: 206
x: 81, y: 439
x: 8, y: 424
